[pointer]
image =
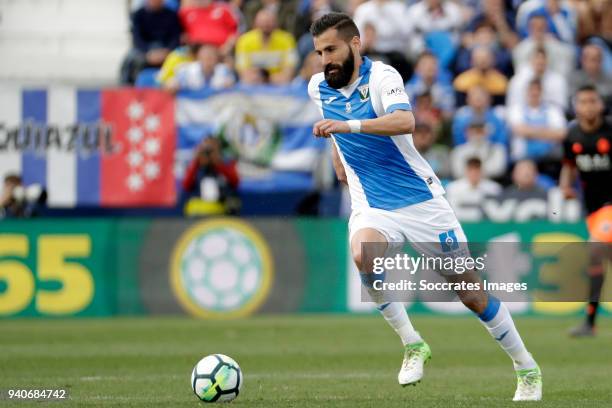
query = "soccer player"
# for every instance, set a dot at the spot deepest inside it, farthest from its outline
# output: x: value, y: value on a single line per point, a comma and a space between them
x: 395, y: 196
x: 587, y: 153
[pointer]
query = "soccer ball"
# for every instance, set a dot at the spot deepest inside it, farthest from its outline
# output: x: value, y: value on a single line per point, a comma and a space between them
x: 216, y: 378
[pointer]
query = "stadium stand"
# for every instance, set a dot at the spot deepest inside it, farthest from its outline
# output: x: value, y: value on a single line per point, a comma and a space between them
x: 251, y: 92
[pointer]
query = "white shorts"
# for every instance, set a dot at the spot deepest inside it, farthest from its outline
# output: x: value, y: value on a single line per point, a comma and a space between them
x: 430, y: 227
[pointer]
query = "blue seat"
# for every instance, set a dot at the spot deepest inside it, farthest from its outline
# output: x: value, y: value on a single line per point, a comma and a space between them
x: 442, y: 45
x: 147, y: 78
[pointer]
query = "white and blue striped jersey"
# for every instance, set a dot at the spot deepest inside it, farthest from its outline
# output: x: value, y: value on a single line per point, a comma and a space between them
x: 382, y: 172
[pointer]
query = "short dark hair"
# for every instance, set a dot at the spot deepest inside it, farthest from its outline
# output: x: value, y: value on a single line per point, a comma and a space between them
x: 535, y: 82
x: 473, y: 162
x: 426, y: 54
x: 12, y: 179
x: 477, y: 124
x: 341, y: 22
x: 587, y: 88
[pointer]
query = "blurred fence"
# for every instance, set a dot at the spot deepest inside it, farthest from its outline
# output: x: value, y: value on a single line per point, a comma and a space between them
x: 218, y: 268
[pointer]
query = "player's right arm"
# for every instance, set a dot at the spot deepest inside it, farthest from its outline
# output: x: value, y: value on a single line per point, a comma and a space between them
x: 390, y: 95
x: 338, y: 166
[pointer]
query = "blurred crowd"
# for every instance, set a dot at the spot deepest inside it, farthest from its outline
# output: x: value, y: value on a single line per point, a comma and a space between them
x: 491, y: 81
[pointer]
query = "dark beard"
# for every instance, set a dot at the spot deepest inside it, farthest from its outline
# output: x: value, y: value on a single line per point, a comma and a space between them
x: 341, y: 78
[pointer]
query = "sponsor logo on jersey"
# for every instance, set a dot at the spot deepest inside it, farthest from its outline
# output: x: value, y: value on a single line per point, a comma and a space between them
x: 330, y: 99
x: 594, y: 162
x: 395, y: 91
x: 348, y: 108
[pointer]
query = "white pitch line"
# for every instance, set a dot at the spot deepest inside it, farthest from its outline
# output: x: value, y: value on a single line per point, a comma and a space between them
x: 258, y: 375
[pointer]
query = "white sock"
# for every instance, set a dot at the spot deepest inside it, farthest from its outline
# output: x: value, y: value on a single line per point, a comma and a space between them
x: 395, y: 314
x: 498, y: 321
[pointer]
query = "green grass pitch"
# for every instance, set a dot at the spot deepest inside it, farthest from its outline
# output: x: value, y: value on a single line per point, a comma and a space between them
x: 297, y: 361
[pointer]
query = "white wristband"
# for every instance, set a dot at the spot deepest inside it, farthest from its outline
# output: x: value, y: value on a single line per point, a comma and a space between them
x: 354, y: 125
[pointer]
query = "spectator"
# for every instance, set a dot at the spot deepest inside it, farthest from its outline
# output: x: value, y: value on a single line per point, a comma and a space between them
x: 428, y: 78
x: 351, y: 6
x: 211, y: 177
x: 560, y: 16
x: 389, y: 21
x: 383, y: 22
x: 432, y: 16
x: 426, y: 112
x: 554, y: 85
x: 17, y: 201
x: 309, y: 11
x: 206, y: 72
x: 525, y: 183
x: 600, y: 23
x: 483, y: 36
x: 537, y: 128
x: 493, y: 156
x: 396, y: 59
x: 437, y: 155
x: 155, y: 32
x: 236, y: 6
x: 209, y: 22
x: 592, y: 72
x: 482, y: 74
x: 268, y: 48
x: 471, y: 189
x: 254, y: 76
x: 588, y: 15
x: 312, y: 65
x: 171, y: 4
x: 10, y: 207
x: 178, y: 57
x: 479, y: 107
x: 539, y: 37
x: 284, y: 10
x: 493, y: 14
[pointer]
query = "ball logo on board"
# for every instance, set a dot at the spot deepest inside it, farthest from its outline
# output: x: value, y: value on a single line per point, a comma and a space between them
x: 221, y: 269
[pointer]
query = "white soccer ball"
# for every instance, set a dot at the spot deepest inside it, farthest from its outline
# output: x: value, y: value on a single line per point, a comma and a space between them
x: 216, y: 378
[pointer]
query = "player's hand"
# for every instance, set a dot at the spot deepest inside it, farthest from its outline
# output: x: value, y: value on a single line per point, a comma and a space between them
x: 325, y: 127
x: 569, y: 193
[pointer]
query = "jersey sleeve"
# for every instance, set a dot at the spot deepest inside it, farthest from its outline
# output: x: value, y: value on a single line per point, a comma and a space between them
x: 392, y: 92
x: 313, y: 91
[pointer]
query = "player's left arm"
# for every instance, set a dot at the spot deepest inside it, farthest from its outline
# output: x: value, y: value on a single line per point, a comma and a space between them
x: 569, y: 172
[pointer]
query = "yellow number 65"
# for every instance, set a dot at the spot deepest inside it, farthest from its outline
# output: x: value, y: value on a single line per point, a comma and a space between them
x: 77, y: 284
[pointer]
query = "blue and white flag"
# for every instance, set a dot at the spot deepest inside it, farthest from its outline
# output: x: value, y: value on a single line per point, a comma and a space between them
x: 270, y: 129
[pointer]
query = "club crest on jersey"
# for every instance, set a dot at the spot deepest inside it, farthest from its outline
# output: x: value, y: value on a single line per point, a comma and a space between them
x: 364, y: 93
x: 348, y: 108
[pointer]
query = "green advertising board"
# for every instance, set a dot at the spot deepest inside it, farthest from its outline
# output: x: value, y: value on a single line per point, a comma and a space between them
x: 211, y: 268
